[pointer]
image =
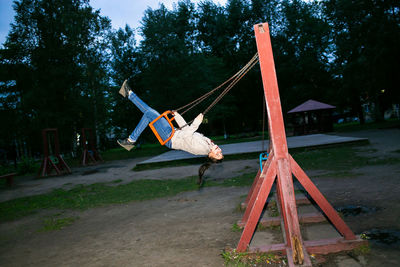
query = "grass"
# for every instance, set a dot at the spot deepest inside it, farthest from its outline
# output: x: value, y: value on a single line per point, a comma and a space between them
x: 273, y: 209
x: 356, y: 126
x: 242, y: 180
x: 88, y: 196
x: 246, y: 259
x: 53, y: 223
x: 342, y: 158
x: 236, y: 228
x: 339, y: 174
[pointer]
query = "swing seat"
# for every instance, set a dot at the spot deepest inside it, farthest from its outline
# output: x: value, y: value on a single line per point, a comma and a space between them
x: 169, y: 120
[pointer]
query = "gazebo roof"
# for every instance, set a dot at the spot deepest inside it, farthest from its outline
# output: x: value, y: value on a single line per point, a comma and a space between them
x: 310, y: 105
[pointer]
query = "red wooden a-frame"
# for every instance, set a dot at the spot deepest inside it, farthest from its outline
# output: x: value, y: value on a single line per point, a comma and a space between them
x: 90, y: 153
x: 52, y: 161
x: 281, y: 165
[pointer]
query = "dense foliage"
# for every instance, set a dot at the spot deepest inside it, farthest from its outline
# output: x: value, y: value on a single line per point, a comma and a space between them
x: 62, y: 64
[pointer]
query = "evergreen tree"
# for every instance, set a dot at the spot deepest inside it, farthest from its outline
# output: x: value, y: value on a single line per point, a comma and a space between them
x: 57, y: 42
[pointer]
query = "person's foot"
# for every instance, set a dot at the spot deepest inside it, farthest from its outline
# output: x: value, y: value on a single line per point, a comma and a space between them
x: 125, y: 143
x: 124, y: 91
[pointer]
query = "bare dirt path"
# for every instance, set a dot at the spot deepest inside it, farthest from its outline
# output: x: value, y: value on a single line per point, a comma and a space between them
x: 193, y: 228
x: 178, y: 231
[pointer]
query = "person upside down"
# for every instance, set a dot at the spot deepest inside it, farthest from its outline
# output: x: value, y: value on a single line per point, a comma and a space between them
x: 185, y: 137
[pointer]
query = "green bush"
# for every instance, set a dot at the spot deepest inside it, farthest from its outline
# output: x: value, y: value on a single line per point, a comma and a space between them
x: 26, y: 165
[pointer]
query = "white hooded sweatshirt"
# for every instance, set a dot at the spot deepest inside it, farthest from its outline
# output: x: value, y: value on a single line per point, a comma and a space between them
x: 188, y: 139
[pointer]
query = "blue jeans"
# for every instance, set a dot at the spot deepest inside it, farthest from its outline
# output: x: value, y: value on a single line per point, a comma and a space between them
x: 162, y: 126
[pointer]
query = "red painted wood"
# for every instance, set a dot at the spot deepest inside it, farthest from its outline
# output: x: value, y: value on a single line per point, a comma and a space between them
x: 47, y: 164
x: 323, y: 246
x: 256, y: 190
x: 288, y: 201
x: 281, y: 166
x: 271, y: 91
x: 333, y: 245
x: 299, y: 201
x: 312, y: 217
x: 257, y: 207
x: 253, y: 186
x: 88, y: 143
x: 289, y: 256
x: 256, y: 183
x: 302, y: 201
x: 273, y: 248
x: 321, y: 201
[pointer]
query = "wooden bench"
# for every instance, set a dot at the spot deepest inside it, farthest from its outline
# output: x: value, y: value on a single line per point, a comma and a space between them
x: 9, y: 177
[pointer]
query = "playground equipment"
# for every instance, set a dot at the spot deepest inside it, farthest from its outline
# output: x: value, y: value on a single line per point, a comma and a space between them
x: 52, y: 159
x: 280, y: 166
x: 90, y: 154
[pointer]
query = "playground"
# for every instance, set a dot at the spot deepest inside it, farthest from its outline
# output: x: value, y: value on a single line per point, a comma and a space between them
x: 164, y: 220
x: 193, y: 228
x: 277, y: 125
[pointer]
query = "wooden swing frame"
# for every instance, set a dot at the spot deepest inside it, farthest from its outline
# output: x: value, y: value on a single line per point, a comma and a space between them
x: 280, y: 168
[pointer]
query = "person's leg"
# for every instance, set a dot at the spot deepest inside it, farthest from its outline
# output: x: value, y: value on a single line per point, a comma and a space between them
x: 144, y: 121
x: 138, y: 102
x: 148, y: 114
x: 162, y: 126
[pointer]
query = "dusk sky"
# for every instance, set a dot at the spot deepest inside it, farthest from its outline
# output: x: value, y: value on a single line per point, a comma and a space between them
x: 120, y: 12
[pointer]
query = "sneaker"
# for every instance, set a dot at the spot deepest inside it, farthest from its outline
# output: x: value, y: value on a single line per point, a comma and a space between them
x: 124, y: 91
x: 125, y: 143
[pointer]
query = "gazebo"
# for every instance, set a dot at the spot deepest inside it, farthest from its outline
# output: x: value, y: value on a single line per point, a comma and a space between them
x: 312, y: 117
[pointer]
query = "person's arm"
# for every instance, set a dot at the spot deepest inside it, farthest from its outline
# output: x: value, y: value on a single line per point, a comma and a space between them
x: 196, y: 123
x: 179, y: 119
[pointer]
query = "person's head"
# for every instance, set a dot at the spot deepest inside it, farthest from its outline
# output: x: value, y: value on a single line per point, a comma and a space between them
x: 215, y: 153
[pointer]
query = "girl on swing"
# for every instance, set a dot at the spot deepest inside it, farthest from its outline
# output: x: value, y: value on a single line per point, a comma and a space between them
x: 185, y: 138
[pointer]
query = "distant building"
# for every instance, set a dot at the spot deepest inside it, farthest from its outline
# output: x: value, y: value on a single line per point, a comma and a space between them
x: 312, y: 117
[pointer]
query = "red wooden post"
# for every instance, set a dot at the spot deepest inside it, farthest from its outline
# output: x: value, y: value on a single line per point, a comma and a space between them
x: 280, y: 166
x: 90, y: 153
x: 55, y: 161
x: 321, y: 201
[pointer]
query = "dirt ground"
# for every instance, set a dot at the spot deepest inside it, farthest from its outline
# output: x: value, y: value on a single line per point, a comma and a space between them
x: 193, y: 228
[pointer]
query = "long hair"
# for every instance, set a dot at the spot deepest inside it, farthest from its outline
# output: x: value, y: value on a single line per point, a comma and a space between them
x: 204, y: 167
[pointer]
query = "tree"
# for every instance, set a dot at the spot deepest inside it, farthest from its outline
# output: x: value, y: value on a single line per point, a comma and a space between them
x: 125, y: 64
x: 366, y: 38
x: 56, y: 42
x: 301, y: 49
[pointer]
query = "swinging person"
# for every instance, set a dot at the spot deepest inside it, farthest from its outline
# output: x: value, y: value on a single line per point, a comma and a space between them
x: 185, y: 137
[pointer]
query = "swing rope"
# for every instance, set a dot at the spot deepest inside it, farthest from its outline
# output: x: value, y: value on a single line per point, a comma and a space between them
x: 233, y: 81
